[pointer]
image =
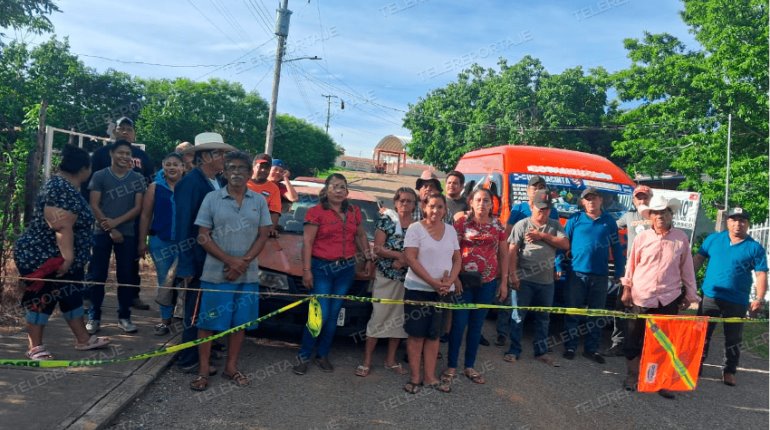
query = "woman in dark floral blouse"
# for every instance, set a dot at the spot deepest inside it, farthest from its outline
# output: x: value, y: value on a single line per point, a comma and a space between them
x: 57, y: 246
x: 387, y: 321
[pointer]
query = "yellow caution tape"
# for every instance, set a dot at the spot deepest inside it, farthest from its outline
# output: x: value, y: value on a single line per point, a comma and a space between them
x: 314, y: 317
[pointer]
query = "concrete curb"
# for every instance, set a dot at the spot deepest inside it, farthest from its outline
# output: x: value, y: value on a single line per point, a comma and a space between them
x: 100, y: 414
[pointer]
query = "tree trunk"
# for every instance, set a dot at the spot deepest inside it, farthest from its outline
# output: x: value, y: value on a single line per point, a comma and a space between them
x: 34, y: 162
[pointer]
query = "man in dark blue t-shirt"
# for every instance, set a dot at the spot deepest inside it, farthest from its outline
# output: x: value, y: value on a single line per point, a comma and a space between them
x: 732, y: 255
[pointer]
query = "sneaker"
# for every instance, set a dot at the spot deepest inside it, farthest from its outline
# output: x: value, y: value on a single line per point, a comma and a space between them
x: 483, y: 341
x: 93, y: 326
x: 613, y: 351
x: 161, y: 330
x: 126, y: 325
x: 547, y: 359
x: 324, y: 364
x: 500, y: 340
x: 301, y: 367
x: 595, y: 356
x: 139, y: 304
x: 569, y: 354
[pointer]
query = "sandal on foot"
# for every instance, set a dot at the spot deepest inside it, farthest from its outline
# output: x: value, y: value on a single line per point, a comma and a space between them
x: 362, y: 371
x: 448, y: 375
x: 200, y: 383
x: 510, y: 358
x: 94, y: 342
x: 412, y: 387
x: 39, y: 353
x: 443, y: 386
x: 237, y: 378
x: 397, y: 368
x: 475, y: 376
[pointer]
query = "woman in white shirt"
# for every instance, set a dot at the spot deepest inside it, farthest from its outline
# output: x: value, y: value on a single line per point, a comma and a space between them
x: 433, y: 255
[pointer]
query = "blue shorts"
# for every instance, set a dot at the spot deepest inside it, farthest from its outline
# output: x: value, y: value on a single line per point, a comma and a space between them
x: 225, y: 308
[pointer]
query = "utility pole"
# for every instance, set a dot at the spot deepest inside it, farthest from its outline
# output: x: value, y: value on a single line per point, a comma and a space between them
x: 727, y: 169
x: 329, y: 107
x: 282, y: 31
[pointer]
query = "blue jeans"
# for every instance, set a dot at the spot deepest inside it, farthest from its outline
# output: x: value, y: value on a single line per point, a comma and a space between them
x: 589, y: 290
x: 471, y: 318
x: 328, y: 278
x: 532, y: 294
x: 164, y: 254
x: 125, y: 258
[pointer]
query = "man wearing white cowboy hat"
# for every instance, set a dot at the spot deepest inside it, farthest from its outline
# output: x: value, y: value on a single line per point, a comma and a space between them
x: 658, y: 265
x: 732, y: 255
x: 209, y: 150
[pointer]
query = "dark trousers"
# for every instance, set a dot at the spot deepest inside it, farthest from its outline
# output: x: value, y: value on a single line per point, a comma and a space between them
x: 733, y: 331
x: 189, y: 356
x: 125, y: 258
x: 636, y: 327
x: 585, y: 290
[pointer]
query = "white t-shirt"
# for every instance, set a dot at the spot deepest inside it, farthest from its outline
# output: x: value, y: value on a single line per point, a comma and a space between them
x: 434, y: 255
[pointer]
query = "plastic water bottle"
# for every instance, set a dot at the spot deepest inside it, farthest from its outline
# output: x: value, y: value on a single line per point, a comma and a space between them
x: 514, y: 312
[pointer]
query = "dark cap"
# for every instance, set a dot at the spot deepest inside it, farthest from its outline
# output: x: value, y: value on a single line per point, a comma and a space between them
x: 124, y: 120
x: 588, y: 191
x: 738, y: 212
x: 541, y: 199
x: 277, y: 162
x: 535, y: 180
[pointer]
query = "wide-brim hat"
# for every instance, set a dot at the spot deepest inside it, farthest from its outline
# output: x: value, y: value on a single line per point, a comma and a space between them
x: 209, y: 142
x: 658, y: 203
x: 427, y: 177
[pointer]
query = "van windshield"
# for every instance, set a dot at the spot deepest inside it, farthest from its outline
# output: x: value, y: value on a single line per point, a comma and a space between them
x: 565, y: 193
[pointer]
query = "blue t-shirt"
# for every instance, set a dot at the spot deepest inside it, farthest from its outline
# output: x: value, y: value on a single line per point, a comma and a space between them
x: 521, y: 210
x: 728, y: 274
x: 590, y: 244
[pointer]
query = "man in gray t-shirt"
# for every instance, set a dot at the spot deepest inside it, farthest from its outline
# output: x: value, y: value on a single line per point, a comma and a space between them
x: 116, y: 194
x: 533, y: 244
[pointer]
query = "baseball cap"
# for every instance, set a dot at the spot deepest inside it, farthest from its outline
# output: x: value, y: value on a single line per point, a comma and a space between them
x: 277, y: 162
x: 124, y: 120
x: 738, y: 212
x: 263, y: 158
x: 588, y: 191
x: 535, y: 180
x: 541, y: 199
x: 644, y: 189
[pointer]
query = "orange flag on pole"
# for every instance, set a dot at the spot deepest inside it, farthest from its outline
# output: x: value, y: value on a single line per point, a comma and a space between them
x: 671, y: 357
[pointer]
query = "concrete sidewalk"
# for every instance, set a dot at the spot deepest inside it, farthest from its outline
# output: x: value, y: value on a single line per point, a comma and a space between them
x: 83, y: 397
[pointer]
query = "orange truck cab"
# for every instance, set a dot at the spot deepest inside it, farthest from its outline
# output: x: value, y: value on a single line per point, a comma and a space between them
x: 567, y: 173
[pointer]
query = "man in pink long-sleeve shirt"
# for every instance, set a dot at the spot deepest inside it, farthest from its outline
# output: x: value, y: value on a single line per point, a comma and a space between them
x: 658, y: 265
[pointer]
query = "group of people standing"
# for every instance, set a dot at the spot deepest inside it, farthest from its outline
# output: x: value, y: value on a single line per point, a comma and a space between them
x: 211, y: 209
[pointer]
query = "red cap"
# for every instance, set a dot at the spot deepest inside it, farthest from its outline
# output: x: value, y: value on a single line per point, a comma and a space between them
x: 643, y: 189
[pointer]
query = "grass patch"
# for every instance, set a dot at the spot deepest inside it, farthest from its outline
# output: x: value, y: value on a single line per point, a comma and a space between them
x: 755, y: 335
x: 334, y: 169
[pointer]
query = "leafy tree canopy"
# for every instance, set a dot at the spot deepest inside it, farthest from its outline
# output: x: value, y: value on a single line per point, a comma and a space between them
x: 27, y: 14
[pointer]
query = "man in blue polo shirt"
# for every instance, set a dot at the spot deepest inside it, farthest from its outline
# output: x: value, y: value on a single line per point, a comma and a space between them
x: 732, y: 255
x: 591, y: 234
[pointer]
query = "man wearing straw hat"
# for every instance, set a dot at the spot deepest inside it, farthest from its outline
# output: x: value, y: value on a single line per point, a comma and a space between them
x: 209, y: 150
x: 658, y: 265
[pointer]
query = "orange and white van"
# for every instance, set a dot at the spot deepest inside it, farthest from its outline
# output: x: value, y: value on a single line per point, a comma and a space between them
x: 567, y: 173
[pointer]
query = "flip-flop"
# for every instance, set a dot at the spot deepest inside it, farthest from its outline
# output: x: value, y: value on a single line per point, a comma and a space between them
x: 443, y: 386
x: 362, y: 371
x: 448, y: 375
x: 475, y: 376
x: 397, y: 368
x: 39, y: 353
x: 412, y: 388
x: 94, y: 342
x: 200, y: 383
x: 237, y: 378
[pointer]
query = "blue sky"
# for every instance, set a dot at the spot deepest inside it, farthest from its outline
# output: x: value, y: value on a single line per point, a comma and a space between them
x: 377, y: 55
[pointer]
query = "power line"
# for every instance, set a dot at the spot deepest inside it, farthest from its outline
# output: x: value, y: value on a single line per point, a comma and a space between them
x: 152, y: 64
x: 211, y: 22
x: 237, y: 60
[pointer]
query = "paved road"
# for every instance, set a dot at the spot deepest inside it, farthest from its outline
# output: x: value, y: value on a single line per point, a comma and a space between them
x: 525, y: 395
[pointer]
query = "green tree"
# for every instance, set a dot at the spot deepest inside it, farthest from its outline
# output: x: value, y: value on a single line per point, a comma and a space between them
x: 27, y: 15
x: 684, y: 97
x: 305, y: 148
x: 519, y: 104
x: 176, y: 110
